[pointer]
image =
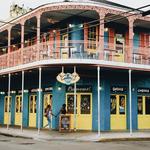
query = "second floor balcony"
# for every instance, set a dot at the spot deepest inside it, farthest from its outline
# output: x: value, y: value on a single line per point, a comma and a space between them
x: 74, y: 50
x: 61, y: 35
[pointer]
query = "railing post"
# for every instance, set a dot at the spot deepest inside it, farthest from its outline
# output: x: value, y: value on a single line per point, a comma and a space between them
x: 131, y: 34
x: 38, y: 34
x: 100, y: 47
x: 22, y: 95
x: 9, y: 46
x: 22, y: 41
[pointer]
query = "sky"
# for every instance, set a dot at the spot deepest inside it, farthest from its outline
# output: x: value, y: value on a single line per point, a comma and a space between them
x: 5, y: 4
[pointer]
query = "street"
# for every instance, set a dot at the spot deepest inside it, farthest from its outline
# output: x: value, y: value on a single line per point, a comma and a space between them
x: 29, y: 144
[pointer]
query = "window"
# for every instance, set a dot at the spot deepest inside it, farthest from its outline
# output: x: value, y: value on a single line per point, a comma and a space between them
x: 113, y: 104
x: 18, y: 104
x: 147, y: 105
x: 140, y: 105
x: 70, y: 104
x: 121, y: 104
x: 92, y: 37
x: 119, y: 43
x: 85, y: 104
x: 33, y: 104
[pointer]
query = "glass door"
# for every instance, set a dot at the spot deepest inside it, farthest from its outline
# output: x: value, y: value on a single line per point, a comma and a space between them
x: 83, y: 109
x: 118, y: 112
x: 18, y: 110
x: 7, y: 110
x: 32, y: 110
x: 143, y: 109
x: 47, y: 101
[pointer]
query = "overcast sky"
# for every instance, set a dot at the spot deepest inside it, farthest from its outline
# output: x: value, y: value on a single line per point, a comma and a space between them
x: 5, y: 4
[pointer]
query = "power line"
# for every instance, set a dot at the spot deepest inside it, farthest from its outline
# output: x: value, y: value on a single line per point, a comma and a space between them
x: 131, y: 10
x: 98, y: 23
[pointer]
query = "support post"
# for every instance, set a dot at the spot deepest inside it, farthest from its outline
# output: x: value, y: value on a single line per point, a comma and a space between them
x: 98, y: 95
x: 22, y: 41
x: 39, y: 106
x: 38, y: 34
x: 8, y: 104
x: 22, y: 96
x: 130, y: 101
x: 75, y: 102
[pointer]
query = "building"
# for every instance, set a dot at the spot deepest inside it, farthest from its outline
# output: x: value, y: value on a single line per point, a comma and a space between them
x: 107, y: 46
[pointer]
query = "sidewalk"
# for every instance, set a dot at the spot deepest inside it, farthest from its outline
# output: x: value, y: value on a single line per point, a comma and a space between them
x: 81, y: 136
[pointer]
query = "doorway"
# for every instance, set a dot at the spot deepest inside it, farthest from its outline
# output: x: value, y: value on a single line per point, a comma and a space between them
x: 143, y: 109
x: 18, y: 110
x: 32, y: 110
x: 47, y: 101
x: 118, y: 112
x: 83, y: 109
x: 7, y: 110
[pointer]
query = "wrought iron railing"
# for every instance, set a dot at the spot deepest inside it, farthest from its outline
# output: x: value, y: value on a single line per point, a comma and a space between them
x: 75, y: 49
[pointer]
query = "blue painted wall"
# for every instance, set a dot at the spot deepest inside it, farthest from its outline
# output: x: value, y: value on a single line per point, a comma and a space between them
x: 41, y: 109
x: 26, y: 110
x: 59, y: 98
x: 2, y: 108
x: 13, y: 96
x: 108, y: 79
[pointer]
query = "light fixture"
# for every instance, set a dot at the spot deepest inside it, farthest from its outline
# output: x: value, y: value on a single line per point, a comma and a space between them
x: 2, y: 93
x: 71, y: 25
x: 13, y: 92
x: 100, y: 88
x: 4, y: 49
x: 59, y: 88
x: 26, y: 91
x: 106, y: 29
x: 54, y: 31
x: 52, y: 21
x: 81, y: 25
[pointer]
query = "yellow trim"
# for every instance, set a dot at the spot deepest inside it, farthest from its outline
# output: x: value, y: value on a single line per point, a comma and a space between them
x: 18, y: 111
x: 49, y: 102
x: 84, y: 121
x: 118, y: 121
x: 7, y: 110
x: 32, y: 115
x: 143, y: 119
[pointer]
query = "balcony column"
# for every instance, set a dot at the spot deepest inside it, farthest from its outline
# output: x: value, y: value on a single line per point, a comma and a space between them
x: 38, y: 34
x: 22, y: 40
x: 9, y: 46
x: 131, y: 34
x: 101, y: 35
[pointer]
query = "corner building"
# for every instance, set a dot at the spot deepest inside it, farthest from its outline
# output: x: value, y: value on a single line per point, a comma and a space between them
x: 110, y: 55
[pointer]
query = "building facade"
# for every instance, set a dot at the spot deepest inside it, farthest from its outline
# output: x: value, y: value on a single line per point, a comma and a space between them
x: 109, y: 48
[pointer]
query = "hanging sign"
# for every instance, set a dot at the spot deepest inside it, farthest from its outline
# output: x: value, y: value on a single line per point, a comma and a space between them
x: 143, y: 90
x: 79, y: 88
x: 68, y: 78
x: 48, y: 89
x: 118, y: 89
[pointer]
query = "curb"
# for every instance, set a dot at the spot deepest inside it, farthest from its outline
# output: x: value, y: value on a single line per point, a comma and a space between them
x: 124, y: 139
x: 16, y: 136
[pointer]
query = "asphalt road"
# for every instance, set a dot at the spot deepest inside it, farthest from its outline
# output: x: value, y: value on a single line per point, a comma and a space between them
x: 11, y: 143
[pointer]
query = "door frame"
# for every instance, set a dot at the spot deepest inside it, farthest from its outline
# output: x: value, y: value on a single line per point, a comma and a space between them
x: 143, y: 120
x: 33, y: 115
x: 7, y: 113
x: 120, y: 118
x: 18, y: 115
x: 78, y: 108
x: 44, y: 118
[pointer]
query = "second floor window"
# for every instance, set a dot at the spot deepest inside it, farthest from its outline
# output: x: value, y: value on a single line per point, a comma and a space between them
x: 92, y: 37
